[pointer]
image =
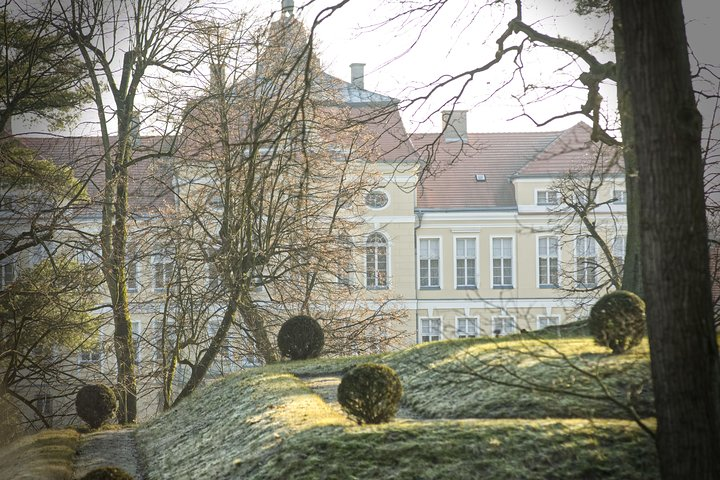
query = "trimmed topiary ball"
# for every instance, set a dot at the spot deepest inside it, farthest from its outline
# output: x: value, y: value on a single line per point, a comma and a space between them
x: 108, y: 473
x: 95, y: 404
x: 617, y: 321
x: 370, y: 393
x: 300, y: 338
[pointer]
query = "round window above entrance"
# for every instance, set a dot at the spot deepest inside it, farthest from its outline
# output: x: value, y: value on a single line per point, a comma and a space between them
x: 376, y: 199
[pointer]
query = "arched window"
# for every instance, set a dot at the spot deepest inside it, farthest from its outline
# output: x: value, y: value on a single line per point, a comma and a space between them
x: 376, y: 261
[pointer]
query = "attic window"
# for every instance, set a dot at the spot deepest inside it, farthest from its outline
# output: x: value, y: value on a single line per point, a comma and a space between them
x: 480, y: 177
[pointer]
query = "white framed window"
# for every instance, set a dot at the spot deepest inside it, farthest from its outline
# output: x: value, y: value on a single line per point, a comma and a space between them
x: 376, y: 261
x: 429, y: 262
x: 346, y: 266
x: 465, y: 262
x: 164, y: 336
x: 585, y: 197
x: 548, y: 261
x: 162, y: 272
x: 547, y: 197
x: 376, y: 199
x: 7, y: 273
x: 132, y: 275
x: 620, y: 197
x: 544, y: 321
x: 467, y: 327
x: 585, y: 261
x: 430, y: 329
x: 213, y: 276
x: 503, y: 325
x: 618, y: 251
x: 137, y: 337
x: 502, y: 262
x: 45, y: 405
x: 90, y: 356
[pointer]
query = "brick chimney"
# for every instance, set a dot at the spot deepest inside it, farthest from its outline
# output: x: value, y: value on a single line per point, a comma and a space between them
x: 454, y: 125
x: 357, y: 75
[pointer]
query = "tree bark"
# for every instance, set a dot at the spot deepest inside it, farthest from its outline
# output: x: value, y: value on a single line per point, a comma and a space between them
x: 123, y: 340
x: 632, y: 268
x: 683, y: 346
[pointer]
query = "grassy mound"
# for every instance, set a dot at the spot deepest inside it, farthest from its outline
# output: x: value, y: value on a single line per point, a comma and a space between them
x: 524, y: 378
x: 267, y: 424
x: 47, y: 455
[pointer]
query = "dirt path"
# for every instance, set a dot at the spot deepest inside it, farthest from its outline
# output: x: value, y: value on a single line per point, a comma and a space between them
x: 114, y: 448
x: 326, y: 386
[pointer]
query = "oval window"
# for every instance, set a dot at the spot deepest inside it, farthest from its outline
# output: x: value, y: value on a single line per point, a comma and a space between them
x: 376, y: 199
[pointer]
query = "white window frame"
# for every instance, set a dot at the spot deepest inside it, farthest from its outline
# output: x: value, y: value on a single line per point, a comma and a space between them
x: 466, y: 332
x: 503, y: 330
x: 512, y: 262
x: 555, y: 322
x: 378, y: 284
x: 439, y: 263
x: 167, y: 266
x: 133, y: 263
x: 619, y: 246
x: 432, y: 333
x: 588, y: 267
x: 475, y: 256
x: 90, y: 356
x: 620, y: 196
x: 136, y: 328
x: 551, y: 197
x: 547, y: 257
x: 377, y: 191
x: 8, y: 272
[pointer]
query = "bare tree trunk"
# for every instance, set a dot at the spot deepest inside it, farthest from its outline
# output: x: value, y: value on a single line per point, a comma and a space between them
x: 632, y: 268
x: 683, y: 346
x: 200, y: 369
x: 123, y: 340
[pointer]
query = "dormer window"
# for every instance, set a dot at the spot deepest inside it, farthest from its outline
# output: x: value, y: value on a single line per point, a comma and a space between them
x: 547, y: 197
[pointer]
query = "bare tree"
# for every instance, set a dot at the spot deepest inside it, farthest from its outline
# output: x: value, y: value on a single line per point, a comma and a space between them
x: 270, y: 179
x: 121, y: 44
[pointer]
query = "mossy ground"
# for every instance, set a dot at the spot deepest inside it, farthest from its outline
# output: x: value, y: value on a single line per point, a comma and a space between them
x: 47, y: 455
x: 268, y: 424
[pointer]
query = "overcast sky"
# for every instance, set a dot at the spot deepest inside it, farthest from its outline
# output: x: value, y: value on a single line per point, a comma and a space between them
x: 459, y: 38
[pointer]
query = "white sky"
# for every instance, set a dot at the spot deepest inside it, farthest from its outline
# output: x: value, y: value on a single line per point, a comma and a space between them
x: 458, y: 39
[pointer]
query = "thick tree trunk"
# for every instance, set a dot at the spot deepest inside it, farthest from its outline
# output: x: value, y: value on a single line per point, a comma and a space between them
x: 632, y: 269
x: 684, y: 354
x: 123, y: 340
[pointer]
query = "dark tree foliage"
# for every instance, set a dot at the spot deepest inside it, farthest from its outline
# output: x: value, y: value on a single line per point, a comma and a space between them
x: 370, y: 393
x: 300, y: 338
x: 43, y: 75
x: 95, y: 404
x: 617, y: 321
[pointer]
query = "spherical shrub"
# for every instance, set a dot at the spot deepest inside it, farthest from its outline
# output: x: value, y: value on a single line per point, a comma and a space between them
x: 108, y: 473
x: 300, y: 338
x: 617, y: 321
x: 370, y: 393
x: 95, y: 404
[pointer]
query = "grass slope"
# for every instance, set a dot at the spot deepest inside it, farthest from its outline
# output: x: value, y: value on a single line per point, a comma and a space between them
x: 47, y: 455
x: 267, y: 424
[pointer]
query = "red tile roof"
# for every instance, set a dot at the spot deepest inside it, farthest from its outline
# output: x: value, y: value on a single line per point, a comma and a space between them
x: 572, y: 151
x: 449, y: 182
x: 148, y: 178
